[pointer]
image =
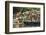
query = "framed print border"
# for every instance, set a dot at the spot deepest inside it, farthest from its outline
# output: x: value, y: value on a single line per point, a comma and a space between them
x: 7, y: 16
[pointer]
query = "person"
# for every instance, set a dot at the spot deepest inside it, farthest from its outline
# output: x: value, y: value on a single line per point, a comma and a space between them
x: 17, y: 19
x: 19, y: 22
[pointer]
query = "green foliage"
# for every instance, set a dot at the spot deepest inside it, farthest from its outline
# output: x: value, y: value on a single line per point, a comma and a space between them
x: 24, y: 9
